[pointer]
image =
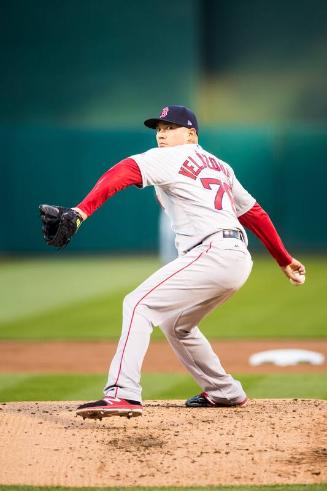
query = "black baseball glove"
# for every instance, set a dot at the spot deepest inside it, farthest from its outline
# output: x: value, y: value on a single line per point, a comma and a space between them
x: 59, y: 224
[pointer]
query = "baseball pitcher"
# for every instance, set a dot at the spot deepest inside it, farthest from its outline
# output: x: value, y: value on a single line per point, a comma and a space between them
x: 208, y: 209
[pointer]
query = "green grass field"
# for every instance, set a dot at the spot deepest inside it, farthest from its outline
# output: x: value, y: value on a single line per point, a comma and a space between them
x: 76, y: 387
x: 81, y: 298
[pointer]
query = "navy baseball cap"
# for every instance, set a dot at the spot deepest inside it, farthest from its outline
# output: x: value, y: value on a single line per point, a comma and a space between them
x: 180, y: 115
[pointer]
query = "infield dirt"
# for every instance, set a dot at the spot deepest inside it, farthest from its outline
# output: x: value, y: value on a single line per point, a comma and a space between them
x: 267, y: 442
x: 94, y: 356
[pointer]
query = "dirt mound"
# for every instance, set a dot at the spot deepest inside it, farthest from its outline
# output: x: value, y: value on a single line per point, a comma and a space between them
x: 267, y: 442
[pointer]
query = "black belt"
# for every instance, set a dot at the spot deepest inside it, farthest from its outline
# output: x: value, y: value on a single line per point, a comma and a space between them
x: 226, y: 233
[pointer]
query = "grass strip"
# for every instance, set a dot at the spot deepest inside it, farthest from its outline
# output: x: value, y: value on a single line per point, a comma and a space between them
x: 62, y: 387
x: 88, y: 297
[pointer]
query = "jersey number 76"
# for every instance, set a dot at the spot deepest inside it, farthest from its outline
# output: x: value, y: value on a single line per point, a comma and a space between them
x: 223, y: 188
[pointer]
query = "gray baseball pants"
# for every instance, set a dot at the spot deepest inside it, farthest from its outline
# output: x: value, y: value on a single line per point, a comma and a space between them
x: 176, y: 298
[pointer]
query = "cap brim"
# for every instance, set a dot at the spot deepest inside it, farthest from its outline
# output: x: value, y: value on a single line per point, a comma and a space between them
x: 152, y: 123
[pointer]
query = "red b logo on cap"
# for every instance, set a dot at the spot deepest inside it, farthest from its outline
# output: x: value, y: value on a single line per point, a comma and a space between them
x: 164, y: 112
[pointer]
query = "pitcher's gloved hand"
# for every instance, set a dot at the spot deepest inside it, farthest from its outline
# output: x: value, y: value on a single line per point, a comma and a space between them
x: 59, y: 224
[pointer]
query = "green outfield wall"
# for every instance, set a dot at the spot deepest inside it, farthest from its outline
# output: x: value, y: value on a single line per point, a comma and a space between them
x: 284, y: 169
x: 95, y: 63
x: 78, y: 77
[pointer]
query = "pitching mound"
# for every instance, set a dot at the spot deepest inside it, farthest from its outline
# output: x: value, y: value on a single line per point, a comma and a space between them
x: 267, y: 442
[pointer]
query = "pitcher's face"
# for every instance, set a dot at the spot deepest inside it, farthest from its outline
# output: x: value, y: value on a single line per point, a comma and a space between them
x: 170, y: 134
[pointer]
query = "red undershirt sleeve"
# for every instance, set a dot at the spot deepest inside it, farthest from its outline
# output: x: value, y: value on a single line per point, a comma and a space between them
x: 259, y: 222
x: 125, y: 173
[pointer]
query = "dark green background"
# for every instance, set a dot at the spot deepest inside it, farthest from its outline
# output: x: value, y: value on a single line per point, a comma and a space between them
x: 78, y: 77
x: 285, y: 171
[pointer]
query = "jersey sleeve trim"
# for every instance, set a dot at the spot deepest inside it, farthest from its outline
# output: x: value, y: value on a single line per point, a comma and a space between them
x: 247, y: 208
x: 145, y: 182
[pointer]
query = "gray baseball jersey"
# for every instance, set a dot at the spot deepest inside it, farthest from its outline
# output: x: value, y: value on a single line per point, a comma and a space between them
x: 198, y: 191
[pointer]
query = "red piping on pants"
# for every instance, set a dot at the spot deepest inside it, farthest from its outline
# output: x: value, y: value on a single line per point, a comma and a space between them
x: 130, y: 324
